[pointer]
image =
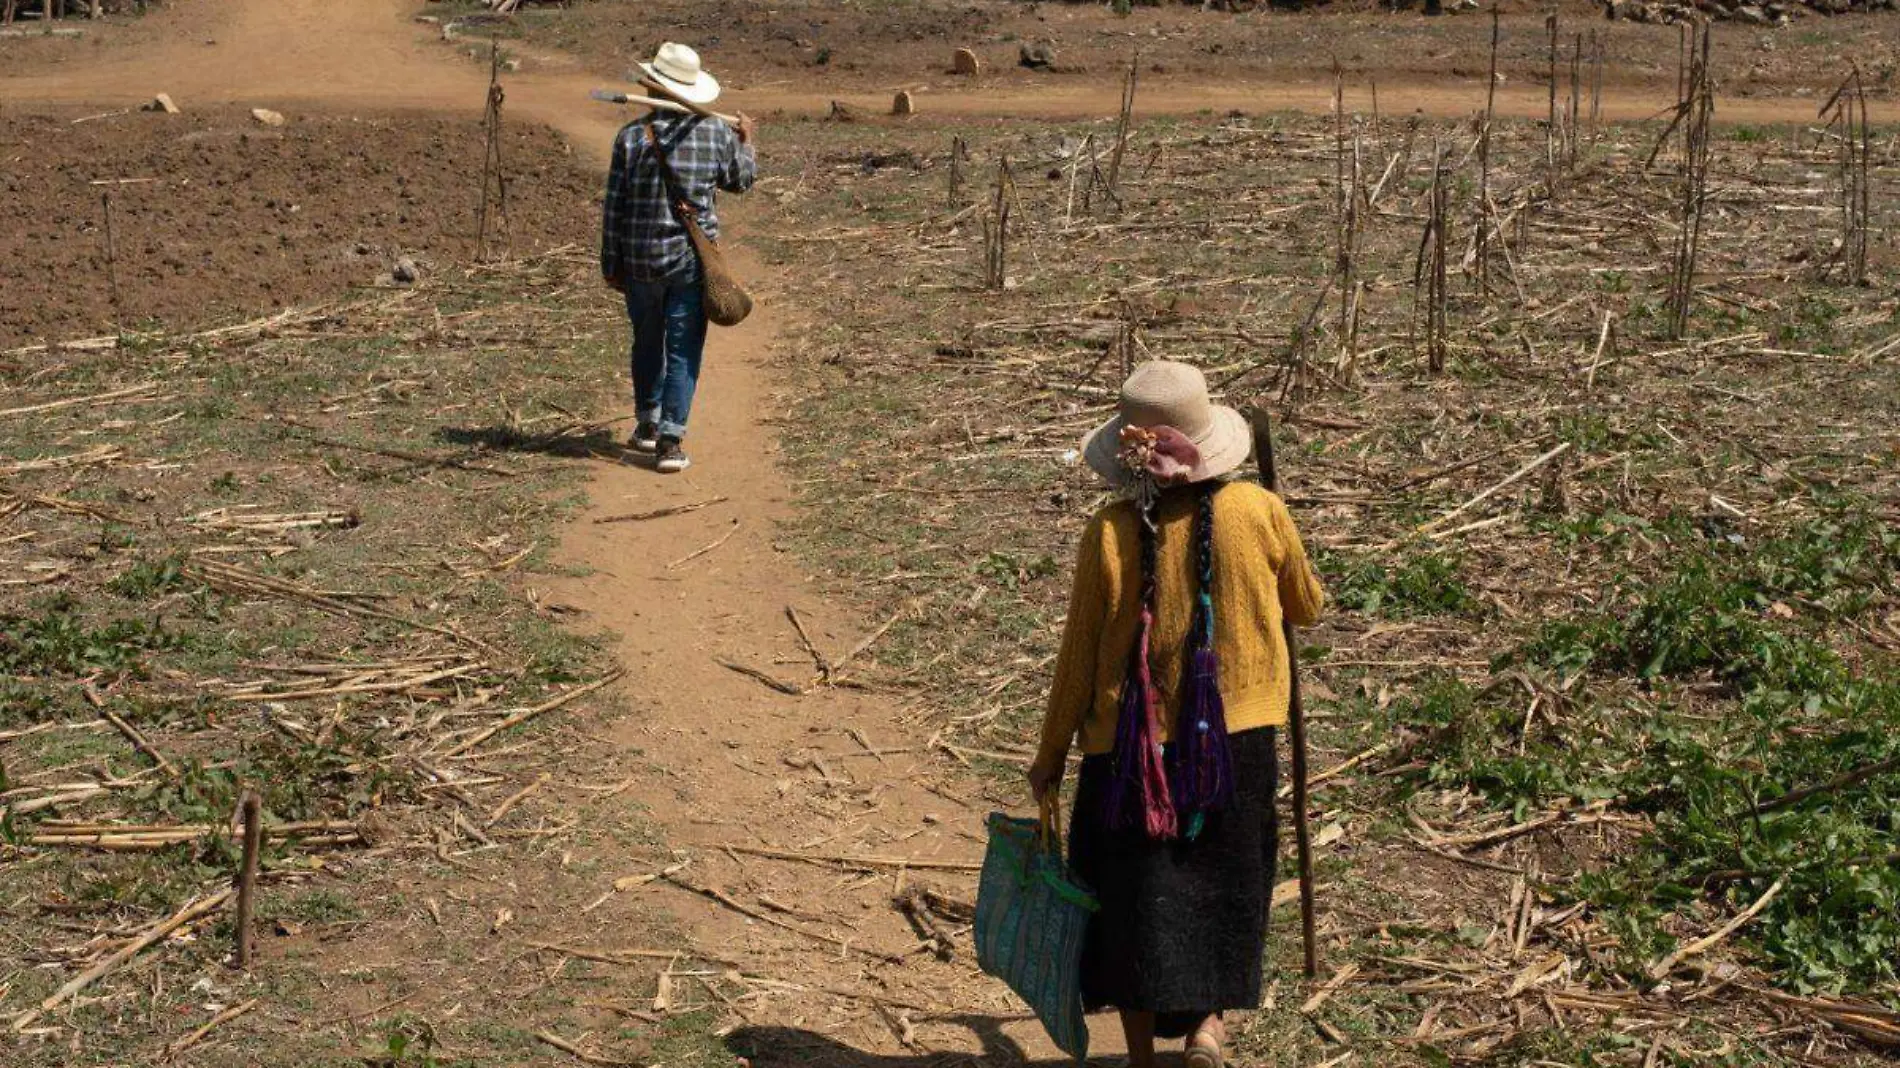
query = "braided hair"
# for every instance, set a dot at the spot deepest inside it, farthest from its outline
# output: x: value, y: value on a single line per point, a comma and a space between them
x: 1175, y: 790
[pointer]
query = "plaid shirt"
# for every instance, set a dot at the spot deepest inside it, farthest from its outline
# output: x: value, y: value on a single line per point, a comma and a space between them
x: 640, y: 240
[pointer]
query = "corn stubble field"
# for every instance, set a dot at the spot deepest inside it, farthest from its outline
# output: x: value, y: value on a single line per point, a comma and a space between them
x: 1605, y: 704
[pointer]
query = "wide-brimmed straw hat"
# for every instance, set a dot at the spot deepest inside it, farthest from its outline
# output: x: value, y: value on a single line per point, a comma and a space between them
x: 1166, y: 393
x: 676, y: 68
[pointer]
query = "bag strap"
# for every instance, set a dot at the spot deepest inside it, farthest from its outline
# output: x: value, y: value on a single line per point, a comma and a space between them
x: 676, y: 198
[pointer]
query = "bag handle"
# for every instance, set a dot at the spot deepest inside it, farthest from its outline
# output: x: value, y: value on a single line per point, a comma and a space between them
x: 1049, y: 829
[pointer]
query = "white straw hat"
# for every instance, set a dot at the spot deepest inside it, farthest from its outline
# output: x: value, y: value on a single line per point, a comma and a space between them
x: 1166, y: 393
x: 676, y: 68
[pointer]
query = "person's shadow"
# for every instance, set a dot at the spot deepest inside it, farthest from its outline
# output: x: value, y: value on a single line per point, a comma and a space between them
x: 784, y: 1047
x: 586, y: 442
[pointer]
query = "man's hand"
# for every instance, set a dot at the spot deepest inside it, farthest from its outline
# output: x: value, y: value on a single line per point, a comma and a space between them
x: 745, y: 128
x: 614, y: 283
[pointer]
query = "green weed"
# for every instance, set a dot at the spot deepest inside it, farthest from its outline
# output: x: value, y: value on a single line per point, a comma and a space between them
x: 1419, y: 584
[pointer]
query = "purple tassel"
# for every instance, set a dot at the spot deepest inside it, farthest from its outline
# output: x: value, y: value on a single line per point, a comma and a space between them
x: 1139, y: 766
x: 1203, y: 764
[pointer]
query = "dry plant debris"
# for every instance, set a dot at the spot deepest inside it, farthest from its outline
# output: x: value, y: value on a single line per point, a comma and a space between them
x: 284, y: 556
x: 1601, y: 596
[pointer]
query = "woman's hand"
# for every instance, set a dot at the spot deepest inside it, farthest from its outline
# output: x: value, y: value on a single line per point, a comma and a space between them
x: 1045, y: 781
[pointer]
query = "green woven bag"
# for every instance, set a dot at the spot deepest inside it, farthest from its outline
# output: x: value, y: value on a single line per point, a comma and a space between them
x: 1031, y: 917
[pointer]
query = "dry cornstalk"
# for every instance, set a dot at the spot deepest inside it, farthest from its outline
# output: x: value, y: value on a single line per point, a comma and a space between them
x: 517, y: 718
x: 996, y: 230
x: 1573, y: 116
x: 1596, y: 86
x: 1667, y: 964
x: 1486, y: 221
x: 172, y: 1051
x: 1428, y: 270
x: 1123, y: 124
x: 494, y: 181
x: 152, y: 935
x: 1551, y: 128
x: 1846, y: 110
x: 1694, y: 111
x: 959, y: 151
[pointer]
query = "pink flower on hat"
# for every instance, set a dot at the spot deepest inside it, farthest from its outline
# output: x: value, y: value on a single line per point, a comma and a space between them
x: 1162, y: 453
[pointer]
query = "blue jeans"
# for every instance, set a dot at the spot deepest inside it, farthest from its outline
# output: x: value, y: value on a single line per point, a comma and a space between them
x: 669, y: 337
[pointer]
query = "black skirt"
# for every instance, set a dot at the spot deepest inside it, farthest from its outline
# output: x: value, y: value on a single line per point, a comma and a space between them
x: 1182, y: 927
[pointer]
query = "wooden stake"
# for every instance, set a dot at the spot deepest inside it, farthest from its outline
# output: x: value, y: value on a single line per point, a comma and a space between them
x: 250, y: 812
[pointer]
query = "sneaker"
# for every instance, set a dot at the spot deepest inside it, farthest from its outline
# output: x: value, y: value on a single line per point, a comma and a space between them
x: 672, y: 459
x: 646, y: 437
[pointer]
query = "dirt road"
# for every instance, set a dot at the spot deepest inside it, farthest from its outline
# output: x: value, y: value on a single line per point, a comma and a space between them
x: 368, y: 53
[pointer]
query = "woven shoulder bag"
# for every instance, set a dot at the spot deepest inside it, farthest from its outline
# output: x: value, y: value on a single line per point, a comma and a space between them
x: 726, y: 301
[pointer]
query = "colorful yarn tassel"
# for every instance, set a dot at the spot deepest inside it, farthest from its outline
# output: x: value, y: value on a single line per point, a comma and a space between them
x: 1141, y: 780
x: 1203, y: 777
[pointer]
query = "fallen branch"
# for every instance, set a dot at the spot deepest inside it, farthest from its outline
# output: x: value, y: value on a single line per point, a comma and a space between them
x: 580, y: 1054
x: 846, y: 860
x: 787, y: 688
x: 844, y: 945
x: 697, y: 553
x: 661, y: 513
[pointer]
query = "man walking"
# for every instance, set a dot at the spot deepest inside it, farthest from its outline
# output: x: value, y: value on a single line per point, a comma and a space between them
x: 663, y: 164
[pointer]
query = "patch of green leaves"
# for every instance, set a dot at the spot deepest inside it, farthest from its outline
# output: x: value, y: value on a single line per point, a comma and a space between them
x: 54, y: 638
x: 1792, y: 714
x: 1419, y: 584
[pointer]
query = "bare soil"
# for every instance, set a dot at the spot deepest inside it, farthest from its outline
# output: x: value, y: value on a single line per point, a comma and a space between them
x: 216, y: 215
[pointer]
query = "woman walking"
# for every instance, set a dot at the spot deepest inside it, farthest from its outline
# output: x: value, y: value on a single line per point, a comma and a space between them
x: 1173, y: 676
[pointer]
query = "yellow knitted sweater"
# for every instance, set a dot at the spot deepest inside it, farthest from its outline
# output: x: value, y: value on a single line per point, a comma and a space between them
x: 1260, y: 570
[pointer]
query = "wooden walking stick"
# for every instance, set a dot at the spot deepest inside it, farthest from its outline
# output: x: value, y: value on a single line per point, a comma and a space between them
x: 1296, y: 715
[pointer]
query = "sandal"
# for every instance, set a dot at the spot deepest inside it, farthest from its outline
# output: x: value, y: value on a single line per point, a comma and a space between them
x: 1204, y: 1047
